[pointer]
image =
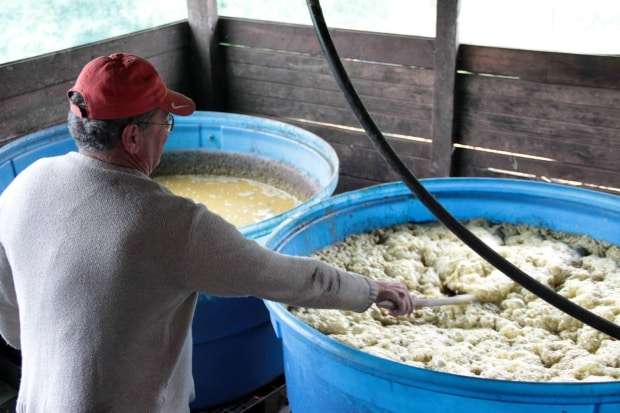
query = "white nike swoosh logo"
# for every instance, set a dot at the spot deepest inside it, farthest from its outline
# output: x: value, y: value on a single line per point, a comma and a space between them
x: 174, y: 106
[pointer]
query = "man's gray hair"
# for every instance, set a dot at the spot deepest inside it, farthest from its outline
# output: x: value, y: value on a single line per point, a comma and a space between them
x: 99, y: 135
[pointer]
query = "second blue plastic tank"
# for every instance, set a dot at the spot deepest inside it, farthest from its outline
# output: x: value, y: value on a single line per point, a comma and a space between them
x: 324, y: 375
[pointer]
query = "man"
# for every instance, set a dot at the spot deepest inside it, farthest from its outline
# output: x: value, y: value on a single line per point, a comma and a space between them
x: 100, y: 266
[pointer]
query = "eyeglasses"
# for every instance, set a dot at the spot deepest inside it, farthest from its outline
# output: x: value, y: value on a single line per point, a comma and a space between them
x: 170, y: 123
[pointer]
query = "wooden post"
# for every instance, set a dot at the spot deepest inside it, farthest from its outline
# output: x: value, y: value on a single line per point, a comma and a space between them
x: 446, y: 48
x: 206, y: 84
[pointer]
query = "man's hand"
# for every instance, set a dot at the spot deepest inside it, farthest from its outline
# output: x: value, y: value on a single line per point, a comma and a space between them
x: 394, y: 297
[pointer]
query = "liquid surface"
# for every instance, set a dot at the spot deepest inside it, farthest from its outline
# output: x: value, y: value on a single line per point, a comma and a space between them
x: 239, y: 201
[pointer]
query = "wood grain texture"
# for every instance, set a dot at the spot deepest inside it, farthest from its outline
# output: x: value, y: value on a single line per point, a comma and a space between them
x: 488, y: 86
x: 601, y: 156
x: 305, y: 64
x: 471, y: 121
x: 405, y: 94
x: 327, y: 114
x: 375, y: 47
x: 336, y: 99
x: 586, y: 106
x: 543, y: 67
x: 595, y: 116
x: 569, y: 124
x: 467, y: 161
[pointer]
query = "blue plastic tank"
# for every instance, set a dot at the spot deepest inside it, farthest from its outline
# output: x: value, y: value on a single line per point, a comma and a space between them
x: 235, y: 350
x: 324, y: 375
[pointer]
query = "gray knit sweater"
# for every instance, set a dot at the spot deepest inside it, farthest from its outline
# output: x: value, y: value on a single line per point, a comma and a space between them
x: 99, y: 272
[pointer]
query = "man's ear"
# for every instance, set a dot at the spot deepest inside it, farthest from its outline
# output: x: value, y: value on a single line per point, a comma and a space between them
x: 131, y: 138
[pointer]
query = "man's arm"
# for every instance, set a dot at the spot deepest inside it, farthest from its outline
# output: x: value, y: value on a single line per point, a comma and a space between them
x: 220, y: 261
x: 9, y: 314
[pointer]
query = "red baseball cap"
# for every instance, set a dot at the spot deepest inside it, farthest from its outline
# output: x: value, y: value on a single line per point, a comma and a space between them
x: 123, y: 85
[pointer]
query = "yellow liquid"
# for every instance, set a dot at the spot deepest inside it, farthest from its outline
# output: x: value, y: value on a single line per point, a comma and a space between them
x: 239, y: 201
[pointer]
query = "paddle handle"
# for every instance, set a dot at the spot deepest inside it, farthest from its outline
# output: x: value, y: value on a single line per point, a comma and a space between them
x: 419, y: 302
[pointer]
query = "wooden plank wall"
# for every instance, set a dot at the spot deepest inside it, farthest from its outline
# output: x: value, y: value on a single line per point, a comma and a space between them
x: 522, y: 114
x: 277, y: 70
x: 557, y: 115
x: 517, y: 113
x: 32, y: 91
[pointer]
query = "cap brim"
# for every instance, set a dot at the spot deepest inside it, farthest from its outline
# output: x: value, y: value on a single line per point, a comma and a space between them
x: 177, y: 103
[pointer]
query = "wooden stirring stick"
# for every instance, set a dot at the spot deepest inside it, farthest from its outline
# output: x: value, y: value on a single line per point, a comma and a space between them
x: 419, y: 302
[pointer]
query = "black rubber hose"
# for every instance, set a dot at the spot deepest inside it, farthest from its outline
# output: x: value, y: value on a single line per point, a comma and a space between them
x: 473, y: 242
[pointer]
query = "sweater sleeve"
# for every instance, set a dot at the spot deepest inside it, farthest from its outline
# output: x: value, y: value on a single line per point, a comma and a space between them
x: 9, y: 314
x: 221, y: 261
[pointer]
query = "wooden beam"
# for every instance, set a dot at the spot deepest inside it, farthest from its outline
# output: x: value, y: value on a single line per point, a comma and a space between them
x: 203, y: 19
x: 446, y: 48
